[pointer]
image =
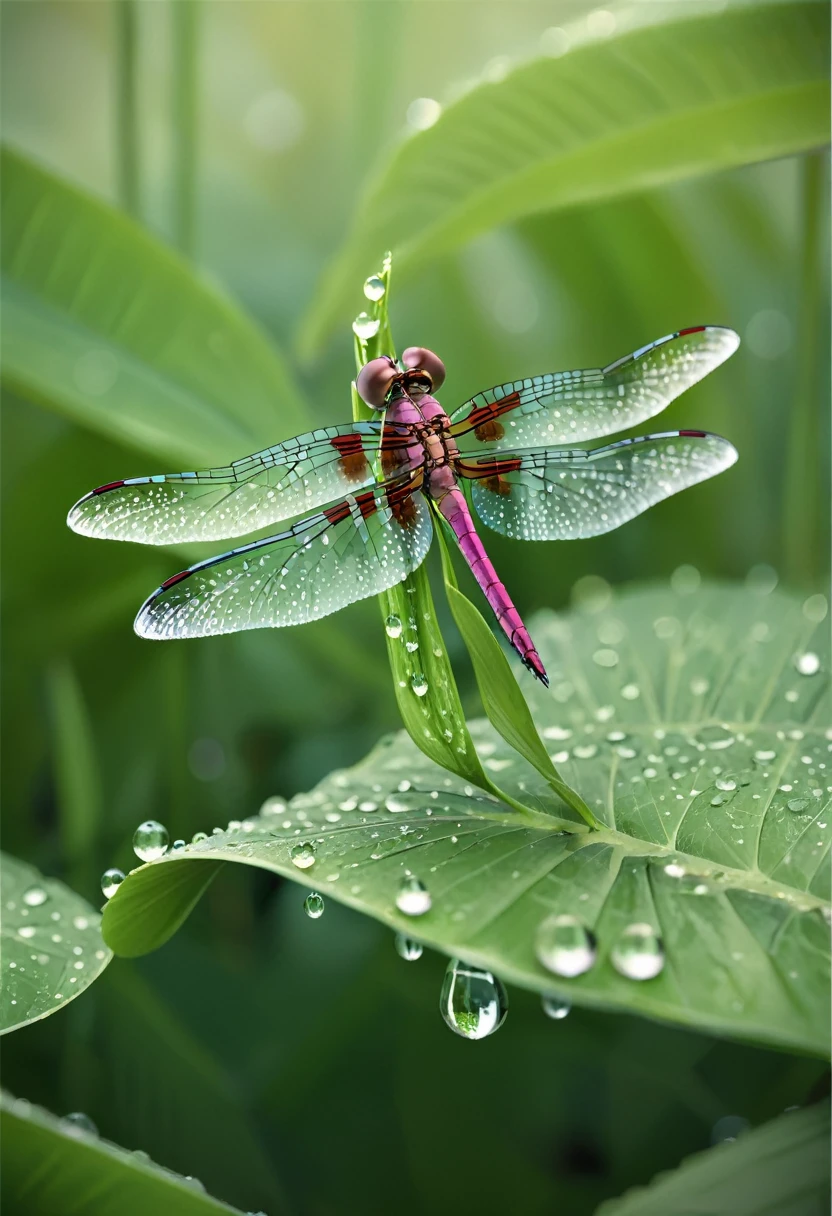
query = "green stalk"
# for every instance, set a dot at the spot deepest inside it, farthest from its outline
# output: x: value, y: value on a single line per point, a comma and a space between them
x: 802, y: 498
x: 125, y: 15
x: 184, y: 105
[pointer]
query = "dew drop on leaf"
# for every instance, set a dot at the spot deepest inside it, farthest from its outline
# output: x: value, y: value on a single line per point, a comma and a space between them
x: 111, y: 880
x: 303, y: 855
x: 808, y: 663
x: 565, y: 946
x: 150, y: 840
x: 34, y: 897
x: 555, y: 1007
x: 407, y: 948
x: 77, y: 1123
x: 473, y: 1003
x: 365, y: 326
x: 418, y: 683
x: 393, y: 627
x: 638, y: 954
x: 413, y: 897
x: 374, y: 288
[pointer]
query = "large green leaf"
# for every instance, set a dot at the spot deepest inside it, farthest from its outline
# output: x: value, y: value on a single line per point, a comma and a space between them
x: 57, y: 1166
x: 780, y: 1169
x: 674, y: 91
x: 105, y: 324
x: 52, y: 947
x: 692, y: 722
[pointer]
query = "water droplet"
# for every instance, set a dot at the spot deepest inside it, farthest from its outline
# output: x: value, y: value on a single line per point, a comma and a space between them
x: 555, y: 1008
x: 638, y: 954
x: 111, y: 880
x: 716, y: 738
x: 564, y: 946
x: 413, y: 897
x: 728, y: 1128
x: 198, y: 836
x: 365, y: 327
x: 178, y: 844
x: 764, y: 755
x: 393, y: 627
x: 727, y: 784
x: 631, y: 692
x: 423, y: 113
x: 34, y: 897
x: 313, y: 905
x: 584, y: 751
x: 374, y: 288
x: 407, y: 948
x: 411, y: 646
x: 685, y: 580
x: 473, y: 1003
x: 815, y: 608
x: 699, y: 686
x: 303, y: 855
x: 77, y: 1123
x: 808, y: 664
x: 674, y: 870
x: 798, y: 805
x: 150, y: 840
x: 418, y: 683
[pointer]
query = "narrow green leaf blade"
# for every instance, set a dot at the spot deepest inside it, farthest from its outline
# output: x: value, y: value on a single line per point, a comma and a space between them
x: 103, y: 323
x: 781, y: 1168
x: 52, y: 946
x: 51, y: 1167
x: 697, y: 89
x: 701, y: 744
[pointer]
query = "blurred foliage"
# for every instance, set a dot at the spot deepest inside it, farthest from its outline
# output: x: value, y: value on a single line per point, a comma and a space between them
x: 295, y: 1041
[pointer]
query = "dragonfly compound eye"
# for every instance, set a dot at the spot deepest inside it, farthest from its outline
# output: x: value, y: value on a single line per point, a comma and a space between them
x: 426, y: 361
x: 375, y: 381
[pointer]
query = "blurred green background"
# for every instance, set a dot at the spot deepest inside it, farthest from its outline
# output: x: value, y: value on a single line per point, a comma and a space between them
x: 298, y: 1064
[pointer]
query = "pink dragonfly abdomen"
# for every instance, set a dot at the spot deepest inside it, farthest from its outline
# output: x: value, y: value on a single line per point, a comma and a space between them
x: 454, y: 507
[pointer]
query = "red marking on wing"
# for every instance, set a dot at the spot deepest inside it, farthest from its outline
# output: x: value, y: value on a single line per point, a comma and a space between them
x: 693, y: 434
x: 485, y: 469
x: 352, y: 460
x: 111, y: 485
x: 175, y: 578
x: 337, y: 513
x: 694, y: 329
x: 483, y: 418
x: 366, y: 504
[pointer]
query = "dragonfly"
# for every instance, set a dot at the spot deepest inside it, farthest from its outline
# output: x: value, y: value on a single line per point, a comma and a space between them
x: 366, y: 493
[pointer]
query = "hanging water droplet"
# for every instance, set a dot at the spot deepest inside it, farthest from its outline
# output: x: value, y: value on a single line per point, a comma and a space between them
x: 365, y: 326
x: 374, y: 288
x: 807, y: 664
x: 77, y: 1123
x: 35, y: 896
x: 638, y: 954
x: 393, y: 627
x: 150, y: 840
x: 564, y: 946
x: 303, y: 855
x: 419, y: 684
x: 111, y: 880
x: 413, y: 897
x: 407, y: 948
x: 555, y: 1007
x: 313, y: 905
x: 473, y: 1003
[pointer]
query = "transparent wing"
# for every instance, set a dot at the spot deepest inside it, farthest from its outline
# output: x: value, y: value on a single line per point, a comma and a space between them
x: 563, y: 495
x: 251, y: 493
x: 569, y: 407
x: 356, y: 548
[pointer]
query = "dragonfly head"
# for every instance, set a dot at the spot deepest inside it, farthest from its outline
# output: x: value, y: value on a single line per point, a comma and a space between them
x: 420, y: 372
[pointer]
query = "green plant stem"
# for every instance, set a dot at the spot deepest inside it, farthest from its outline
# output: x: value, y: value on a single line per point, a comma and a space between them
x: 185, y: 19
x: 802, y: 505
x: 125, y: 15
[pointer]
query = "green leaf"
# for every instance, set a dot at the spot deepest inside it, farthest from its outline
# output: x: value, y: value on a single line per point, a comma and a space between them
x: 103, y: 323
x: 684, y: 721
x: 500, y: 693
x: 56, y: 1167
x: 77, y: 779
x: 781, y: 1168
x: 52, y: 947
x: 675, y: 92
